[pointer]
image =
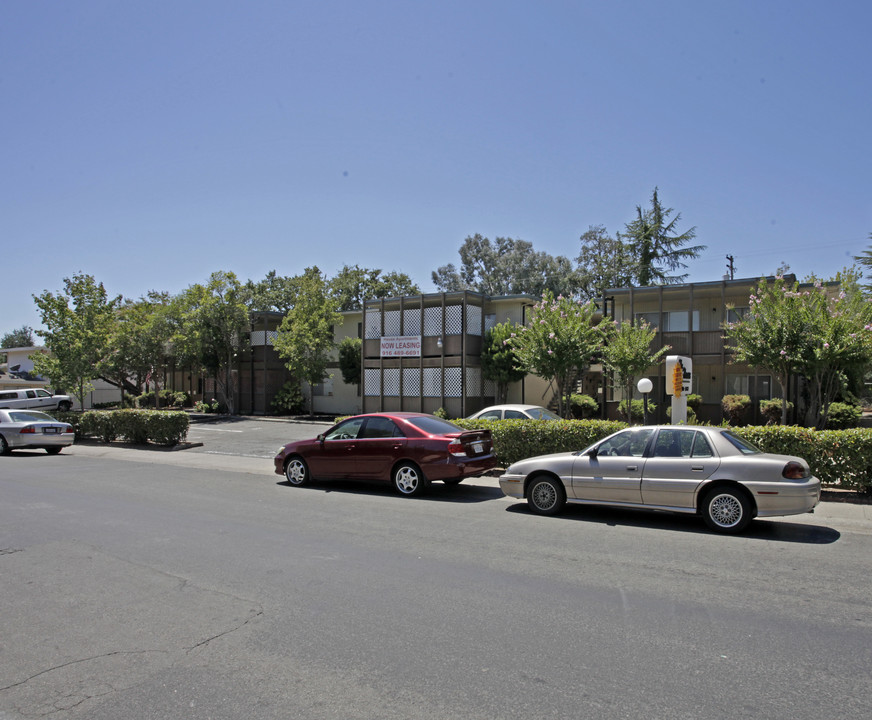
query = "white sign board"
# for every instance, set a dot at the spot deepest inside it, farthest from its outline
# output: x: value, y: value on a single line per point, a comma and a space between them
x: 401, y: 346
x: 679, y: 369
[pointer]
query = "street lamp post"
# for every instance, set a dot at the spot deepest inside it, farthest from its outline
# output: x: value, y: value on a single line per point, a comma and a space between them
x: 644, y: 386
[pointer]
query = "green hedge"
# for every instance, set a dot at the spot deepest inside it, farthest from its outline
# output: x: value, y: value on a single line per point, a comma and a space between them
x: 840, y: 458
x: 136, y: 426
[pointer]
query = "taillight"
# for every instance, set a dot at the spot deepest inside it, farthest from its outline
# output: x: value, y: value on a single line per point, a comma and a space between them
x: 793, y: 471
x: 455, y: 447
x: 29, y: 430
x: 69, y: 429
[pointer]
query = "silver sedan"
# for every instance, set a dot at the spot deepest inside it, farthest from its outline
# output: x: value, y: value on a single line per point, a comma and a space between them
x: 705, y: 471
x: 20, y: 429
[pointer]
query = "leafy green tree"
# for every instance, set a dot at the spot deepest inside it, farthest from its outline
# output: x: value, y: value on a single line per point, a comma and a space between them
x: 865, y: 260
x: 657, y: 247
x: 498, y: 360
x: 275, y: 293
x: 558, y: 343
x: 506, y: 267
x: 627, y: 353
x: 22, y: 337
x: 210, y: 326
x: 78, y: 324
x: 353, y: 285
x: 305, y: 337
x: 604, y: 262
x: 349, y: 360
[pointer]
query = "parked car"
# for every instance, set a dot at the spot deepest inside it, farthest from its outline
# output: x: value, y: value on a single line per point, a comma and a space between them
x: 514, y: 412
x: 409, y: 450
x: 706, y: 471
x: 20, y: 429
x: 37, y: 398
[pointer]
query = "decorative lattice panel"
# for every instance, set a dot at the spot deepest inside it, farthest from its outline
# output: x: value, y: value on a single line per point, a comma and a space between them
x: 432, y: 382
x: 433, y: 322
x: 473, y: 381
x: 453, y: 382
x: 257, y: 338
x: 392, y: 322
x: 391, y: 382
x: 412, y: 321
x: 473, y: 320
x: 373, y: 325
x: 454, y: 320
x: 490, y: 388
x: 411, y: 382
x: 372, y: 382
x: 490, y: 322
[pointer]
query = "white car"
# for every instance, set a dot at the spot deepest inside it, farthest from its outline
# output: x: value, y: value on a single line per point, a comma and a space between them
x: 705, y: 471
x: 36, y: 398
x: 21, y: 429
x: 514, y: 412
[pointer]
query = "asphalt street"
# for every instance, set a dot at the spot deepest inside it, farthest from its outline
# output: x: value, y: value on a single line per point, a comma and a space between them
x: 195, y: 583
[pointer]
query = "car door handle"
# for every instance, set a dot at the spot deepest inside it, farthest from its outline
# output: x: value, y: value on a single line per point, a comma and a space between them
x: 697, y: 468
x: 632, y: 468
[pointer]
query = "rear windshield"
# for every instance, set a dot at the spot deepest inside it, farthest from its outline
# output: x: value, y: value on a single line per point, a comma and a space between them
x: 30, y: 416
x: 542, y: 414
x: 434, y: 426
x: 744, y: 446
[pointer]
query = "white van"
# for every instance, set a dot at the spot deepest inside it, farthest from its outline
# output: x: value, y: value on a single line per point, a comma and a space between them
x: 34, y: 398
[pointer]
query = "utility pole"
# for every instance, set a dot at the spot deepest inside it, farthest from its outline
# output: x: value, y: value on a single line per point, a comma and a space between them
x: 731, y: 267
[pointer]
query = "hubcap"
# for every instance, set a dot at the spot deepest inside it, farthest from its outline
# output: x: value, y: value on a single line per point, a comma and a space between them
x: 544, y: 496
x: 726, y: 510
x: 296, y: 472
x: 407, y: 480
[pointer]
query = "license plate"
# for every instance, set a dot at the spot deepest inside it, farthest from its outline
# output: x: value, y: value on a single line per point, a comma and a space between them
x: 49, y: 431
x: 478, y: 447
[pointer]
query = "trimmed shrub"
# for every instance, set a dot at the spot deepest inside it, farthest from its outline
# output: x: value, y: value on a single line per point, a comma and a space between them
x: 637, y: 409
x: 691, y: 415
x: 735, y: 408
x: 289, y: 400
x: 841, y: 416
x: 136, y: 426
x: 771, y: 410
x: 583, y: 406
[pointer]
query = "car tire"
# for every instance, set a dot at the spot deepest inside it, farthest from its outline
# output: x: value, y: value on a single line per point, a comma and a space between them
x: 409, y: 480
x: 297, y: 472
x: 64, y: 406
x: 4, y: 446
x: 546, y: 496
x: 727, y: 510
x: 452, y: 481
x: 53, y: 450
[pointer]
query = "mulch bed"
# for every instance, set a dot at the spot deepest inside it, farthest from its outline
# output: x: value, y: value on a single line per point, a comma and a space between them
x: 846, y: 496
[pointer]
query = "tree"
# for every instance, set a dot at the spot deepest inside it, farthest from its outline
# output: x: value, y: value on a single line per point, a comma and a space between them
x: 498, y: 360
x: 353, y: 285
x: 275, y: 293
x: 79, y: 322
x: 558, y: 343
x: 657, y: 248
x: 349, y: 360
x: 210, y: 326
x: 22, y: 337
x: 627, y: 353
x: 865, y: 259
x: 506, y: 267
x: 305, y: 337
x: 604, y: 262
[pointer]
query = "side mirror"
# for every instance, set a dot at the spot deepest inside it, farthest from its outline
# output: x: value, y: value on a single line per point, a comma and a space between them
x: 320, y: 438
x: 593, y: 452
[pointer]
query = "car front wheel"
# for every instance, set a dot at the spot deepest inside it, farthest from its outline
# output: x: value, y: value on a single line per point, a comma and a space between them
x: 64, y: 406
x: 408, y: 479
x: 296, y: 471
x: 727, y: 510
x: 546, y: 496
x: 4, y: 446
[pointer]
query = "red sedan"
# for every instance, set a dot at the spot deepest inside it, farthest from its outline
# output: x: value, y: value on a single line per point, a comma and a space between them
x: 407, y: 449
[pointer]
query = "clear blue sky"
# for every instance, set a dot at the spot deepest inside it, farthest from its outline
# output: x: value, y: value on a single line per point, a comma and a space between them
x: 152, y: 143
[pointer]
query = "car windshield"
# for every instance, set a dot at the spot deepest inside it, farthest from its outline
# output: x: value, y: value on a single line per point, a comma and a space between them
x: 540, y: 413
x: 744, y: 446
x: 434, y: 425
x: 30, y: 416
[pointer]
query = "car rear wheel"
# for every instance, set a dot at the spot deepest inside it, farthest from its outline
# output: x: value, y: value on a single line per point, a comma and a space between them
x: 53, y: 450
x: 409, y: 480
x: 64, y: 406
x: 296, y: 471
x: 4, y: 446
x: 726, y: 510
x: 546, y: 496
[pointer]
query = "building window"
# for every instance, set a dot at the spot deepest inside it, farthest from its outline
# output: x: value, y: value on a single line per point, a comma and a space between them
x: 677, y: 321
x: 736, y: 314
x: 759, y: 387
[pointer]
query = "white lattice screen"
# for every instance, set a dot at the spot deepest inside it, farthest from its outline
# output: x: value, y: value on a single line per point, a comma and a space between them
x: 411, y: 321
x: 392, y: 322
x: 392, y: 382
x: 433, y: 322
x: 454, y: 319
x: 432, y: 382
x: 373, y: 325
x: 453, y: 382
x: 411, y: 382
x: 372, y: 382
x: 257, y: 338
x: 489, y: 322
x: 473, y: 381
x: 473, y: 320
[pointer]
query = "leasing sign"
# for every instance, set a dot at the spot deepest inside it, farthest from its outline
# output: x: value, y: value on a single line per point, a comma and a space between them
x: 401, y: 346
